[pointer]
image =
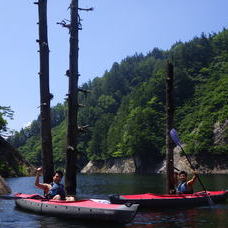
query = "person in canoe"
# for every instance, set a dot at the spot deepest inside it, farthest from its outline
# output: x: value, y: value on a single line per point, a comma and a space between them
x: 185, y: 186
x: 54, y: 190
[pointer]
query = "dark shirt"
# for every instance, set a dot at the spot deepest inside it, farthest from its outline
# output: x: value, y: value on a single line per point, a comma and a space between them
x: 57, y: 189
x: 184, y: 188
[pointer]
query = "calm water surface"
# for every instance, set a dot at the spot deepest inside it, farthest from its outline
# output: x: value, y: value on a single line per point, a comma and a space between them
x: 101, y: 185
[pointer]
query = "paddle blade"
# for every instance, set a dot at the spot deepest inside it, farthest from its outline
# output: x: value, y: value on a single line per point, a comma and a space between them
x: 175, y: 138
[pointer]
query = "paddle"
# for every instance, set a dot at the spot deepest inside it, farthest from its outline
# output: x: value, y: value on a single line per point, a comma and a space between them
x: 176, y: 140
x: 10, y: 197
x: 23, y: 196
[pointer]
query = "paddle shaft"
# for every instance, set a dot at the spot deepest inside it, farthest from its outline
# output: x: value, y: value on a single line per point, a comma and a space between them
x: 9, y: 197
x: 15, y: 197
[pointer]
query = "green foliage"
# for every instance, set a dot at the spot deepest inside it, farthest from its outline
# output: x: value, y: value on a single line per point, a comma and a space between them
x: 201, y: 139
x: 23, y: 170
x: 21, y: 137
x: 32, y: 150
x: 98, y: 147
x: 6, y: 170
x: 5, y: 112
x: 59, y: 142
x: 208, y: 106
x: 125, y: 110
x: 137, y: 126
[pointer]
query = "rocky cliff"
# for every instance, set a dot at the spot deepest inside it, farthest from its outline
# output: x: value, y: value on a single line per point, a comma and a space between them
x: 204, y: 163
x: 125, y: 165
x: 215, y: 164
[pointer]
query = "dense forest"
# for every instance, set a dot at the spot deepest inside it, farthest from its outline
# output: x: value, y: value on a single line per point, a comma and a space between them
x: 125, y: 109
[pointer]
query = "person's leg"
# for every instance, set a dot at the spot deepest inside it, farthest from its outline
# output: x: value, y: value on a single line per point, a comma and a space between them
x: 57, y: 197
x: 71, y: 198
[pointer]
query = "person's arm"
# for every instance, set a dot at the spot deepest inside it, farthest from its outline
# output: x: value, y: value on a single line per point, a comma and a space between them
x: 193, y: 180
x: 44, y: 187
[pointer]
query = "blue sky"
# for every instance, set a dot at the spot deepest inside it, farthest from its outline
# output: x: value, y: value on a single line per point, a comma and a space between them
x: 114, y: 30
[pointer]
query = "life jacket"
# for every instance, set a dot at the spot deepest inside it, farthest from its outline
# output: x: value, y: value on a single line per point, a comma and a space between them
x: 183, y: 188
x: 56, y: 189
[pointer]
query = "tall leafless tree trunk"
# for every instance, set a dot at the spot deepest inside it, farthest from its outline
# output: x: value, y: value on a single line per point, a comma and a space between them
x: 169, y: 125
x: 72, y: 127
x: 45, y: 96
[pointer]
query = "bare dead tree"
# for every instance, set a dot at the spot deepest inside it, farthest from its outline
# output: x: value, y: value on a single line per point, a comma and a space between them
x: 169, y: 125
x: 45, y: 95
x: 72, y: 127
x: 73, y: 130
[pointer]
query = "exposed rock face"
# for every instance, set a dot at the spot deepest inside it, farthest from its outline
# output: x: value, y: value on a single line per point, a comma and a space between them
x: 217, y: 164
x: 4, y: 188
x: 11, y: 161
x: 123, y: 165
x: 180, y: 162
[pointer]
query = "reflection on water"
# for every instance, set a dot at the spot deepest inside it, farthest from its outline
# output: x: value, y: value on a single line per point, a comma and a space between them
x: 101, y: 185
x: 207, y: 217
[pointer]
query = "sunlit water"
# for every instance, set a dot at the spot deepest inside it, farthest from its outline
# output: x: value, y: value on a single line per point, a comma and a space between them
x: 101, y: 185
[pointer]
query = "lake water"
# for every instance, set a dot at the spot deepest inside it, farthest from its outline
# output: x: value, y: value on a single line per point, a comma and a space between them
x: 101, y: 185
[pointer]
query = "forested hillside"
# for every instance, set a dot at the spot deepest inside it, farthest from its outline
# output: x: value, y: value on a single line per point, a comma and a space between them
x: 12, y: 163
x: 125, y: 110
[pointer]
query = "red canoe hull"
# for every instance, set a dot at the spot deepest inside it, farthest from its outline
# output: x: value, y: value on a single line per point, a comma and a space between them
x: 80, y: 209
x: 155, y: 201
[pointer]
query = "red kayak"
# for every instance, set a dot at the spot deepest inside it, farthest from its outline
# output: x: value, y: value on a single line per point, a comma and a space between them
x: 150, y: 200
x: 81, y: 209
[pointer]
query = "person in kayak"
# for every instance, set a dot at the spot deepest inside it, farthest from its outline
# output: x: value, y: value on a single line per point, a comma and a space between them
x: 54, y: 190
x: 184, y: 186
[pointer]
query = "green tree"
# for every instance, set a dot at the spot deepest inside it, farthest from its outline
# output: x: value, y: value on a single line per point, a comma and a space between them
x: 5, y: 112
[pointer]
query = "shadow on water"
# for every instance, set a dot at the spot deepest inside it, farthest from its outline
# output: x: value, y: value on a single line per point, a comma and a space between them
x: 206, y: 217
x: 52, y: 221
x: 101, y: 185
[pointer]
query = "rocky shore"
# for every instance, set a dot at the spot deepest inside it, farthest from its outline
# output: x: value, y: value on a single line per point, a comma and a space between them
x: 206, y: 165
x: 214, y: 164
